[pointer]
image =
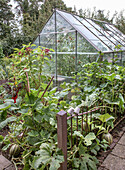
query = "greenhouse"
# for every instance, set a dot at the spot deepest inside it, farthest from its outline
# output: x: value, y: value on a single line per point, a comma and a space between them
x: 76, y: 40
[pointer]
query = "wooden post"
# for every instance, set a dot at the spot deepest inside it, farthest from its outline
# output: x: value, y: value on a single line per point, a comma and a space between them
x: 62, y: 136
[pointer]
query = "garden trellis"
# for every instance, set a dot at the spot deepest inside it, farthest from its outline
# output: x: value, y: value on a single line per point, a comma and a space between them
x: 77, y: 41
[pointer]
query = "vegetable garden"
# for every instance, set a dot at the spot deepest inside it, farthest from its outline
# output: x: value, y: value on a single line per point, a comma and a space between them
x: 30, y: 107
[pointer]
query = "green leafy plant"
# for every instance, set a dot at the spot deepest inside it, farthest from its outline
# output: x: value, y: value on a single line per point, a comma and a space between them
x: 84, y: 161
x: 29, y: 103
x: 104, y: 122
x: 48, y: 156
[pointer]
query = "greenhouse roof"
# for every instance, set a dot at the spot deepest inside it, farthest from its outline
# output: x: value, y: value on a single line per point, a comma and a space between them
x: 101, y: 35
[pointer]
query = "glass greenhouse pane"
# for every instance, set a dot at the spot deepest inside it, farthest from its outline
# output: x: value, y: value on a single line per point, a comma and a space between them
x: 100, y: 45
x: 36, y: 42
x: 62, y: 25
x: 43, y: 39
x: 83, y: 45
x: 50, y: 67
x: 86, y: 32
x: 61, y: 79
x: 47, y: 41
x: 117, y: 58
x: 91, y: 38
x: 114, y: 39
x: 82, y: 30
x: 114, y: 33
x: 70, y: 18
x: 97, y: 33
x: 108, y: 57
x: 50, y: 25
x: 116, y: 30
x: 65, y: 64
x: 66, y: 42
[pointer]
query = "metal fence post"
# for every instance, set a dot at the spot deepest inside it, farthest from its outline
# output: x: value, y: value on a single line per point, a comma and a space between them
x: 62, y: 136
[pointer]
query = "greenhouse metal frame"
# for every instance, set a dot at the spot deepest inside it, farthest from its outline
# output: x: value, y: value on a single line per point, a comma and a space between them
x: 77, y: 41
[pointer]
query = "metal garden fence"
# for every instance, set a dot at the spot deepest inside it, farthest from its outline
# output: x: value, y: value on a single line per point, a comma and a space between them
x: 63, y: 130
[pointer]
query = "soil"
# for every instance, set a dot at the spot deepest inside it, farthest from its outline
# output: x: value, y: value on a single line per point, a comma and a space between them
x: 4, y: 132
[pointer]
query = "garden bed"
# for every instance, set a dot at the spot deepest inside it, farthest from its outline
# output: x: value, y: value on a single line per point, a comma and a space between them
x: 117, y: 133
x: 29, y: 106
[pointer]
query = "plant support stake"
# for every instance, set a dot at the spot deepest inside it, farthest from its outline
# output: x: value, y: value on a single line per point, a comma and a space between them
x: 47, y: 87
x: 28, y: 82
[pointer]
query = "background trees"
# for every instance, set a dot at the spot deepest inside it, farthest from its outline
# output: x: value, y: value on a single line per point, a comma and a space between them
x: 22, y: 25
x: 6, y: 18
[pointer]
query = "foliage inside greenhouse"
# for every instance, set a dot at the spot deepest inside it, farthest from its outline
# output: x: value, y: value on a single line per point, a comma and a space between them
x: 76, y: 41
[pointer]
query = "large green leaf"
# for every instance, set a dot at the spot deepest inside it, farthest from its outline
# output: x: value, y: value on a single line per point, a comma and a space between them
x: 55, y: 164
x: 121, y: 102
x: 52, y: 121
x: 111, y: 77
x: 37, y: 161
x: 76, y: 162
x: 61, y: 94
x: 33, y: 133
x: 53, y: 91
x: 28, y: 121
x: 89, y: 89
x: 8, y: 120
x: 106, y: 117
x: 82, y: 149
x: 6, y: 147
x: 45, y: 156
x: 83, y: 165
x: 43, y: 85
x: 44, y: 147
x: 4, y: 106
x: 77, y: 133
x: 110, y: 102
x: 119, y: 77
x: 33, y: 140
x: 89, y: 162
x: 13, y: 108
x: 59, y: 157
x: 48, y: 155
x: 88, y: 138
x: 23, y: 110
x: 92, y: 164
x: 38, y: 118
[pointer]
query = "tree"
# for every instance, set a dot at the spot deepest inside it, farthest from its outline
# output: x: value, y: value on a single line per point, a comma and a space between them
x: 34, y: 14
x: 30, y: 18
x: 120, y: 21
x: 6, y: 18
x: 31, y: 14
